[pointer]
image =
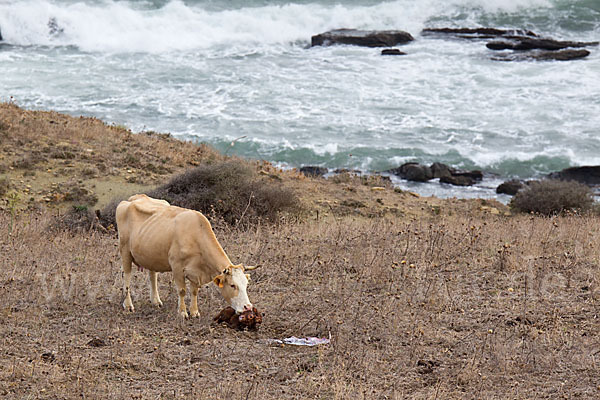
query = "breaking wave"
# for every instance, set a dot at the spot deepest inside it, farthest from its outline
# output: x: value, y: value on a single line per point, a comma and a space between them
x: 160, y: 26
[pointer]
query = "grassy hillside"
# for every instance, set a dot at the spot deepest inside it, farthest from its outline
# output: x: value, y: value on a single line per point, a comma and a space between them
x: 55, y: 160
x: 422, y: 298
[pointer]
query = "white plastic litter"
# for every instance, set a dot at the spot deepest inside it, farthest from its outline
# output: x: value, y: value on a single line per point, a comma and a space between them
x: 307, y: 341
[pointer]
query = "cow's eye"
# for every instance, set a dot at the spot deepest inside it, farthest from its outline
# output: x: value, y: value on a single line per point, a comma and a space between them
x: 233, y: 286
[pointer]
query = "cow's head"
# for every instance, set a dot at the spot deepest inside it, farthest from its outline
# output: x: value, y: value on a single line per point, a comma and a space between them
x: 232, y: 283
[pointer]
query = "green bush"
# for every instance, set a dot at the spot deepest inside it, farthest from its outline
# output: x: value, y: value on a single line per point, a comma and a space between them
x: 550, y: 197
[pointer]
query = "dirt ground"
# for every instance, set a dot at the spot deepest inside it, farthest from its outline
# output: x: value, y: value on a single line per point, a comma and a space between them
x: 422, y: 298
x: 476, y: 308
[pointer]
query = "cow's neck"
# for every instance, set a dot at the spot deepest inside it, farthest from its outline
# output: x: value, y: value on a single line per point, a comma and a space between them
x: 215, y: 262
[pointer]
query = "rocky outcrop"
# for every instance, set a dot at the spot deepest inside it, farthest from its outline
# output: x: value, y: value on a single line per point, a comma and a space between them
x: 422, y: 173
x: 510, y: 187
x: 440, y: 170
x: 392, y: 52
x: 589, y: 175
x: 457, y: 180
x: 462, y: 178
x: 313, y: 171
x: 528, y: 43
x: 361, y: 38
x: 562, y: 55
x: 476, y: 33
x: 413, y: 172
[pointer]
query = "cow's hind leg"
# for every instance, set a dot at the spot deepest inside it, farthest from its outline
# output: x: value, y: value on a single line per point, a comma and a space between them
x: 179, y: 279
x: 194, y: 301
x: 127, y: 260
x: 154, y: 297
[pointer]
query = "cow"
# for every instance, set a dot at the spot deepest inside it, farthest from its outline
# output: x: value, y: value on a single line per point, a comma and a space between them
x: 160, y: 237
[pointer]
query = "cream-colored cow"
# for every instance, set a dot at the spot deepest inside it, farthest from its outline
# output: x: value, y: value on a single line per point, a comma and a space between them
x: 160, y: 238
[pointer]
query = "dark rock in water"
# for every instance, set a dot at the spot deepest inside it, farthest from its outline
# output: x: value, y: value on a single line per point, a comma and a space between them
x: 474, y: 175
x: 392, y: 52
x: 1, y: 35
x: 313, y: 171
x: 53, y: 27
x: 589, y: 175
x: 440, y: 170
x: 457, y: 180
x: 561, y: 55
x: 476, y: 33
x: 413, y: 172
x: 422, y: 173
x: 347, y: 171
x: 510, y: 187
x: 361, y: 38
x: 462, y: 178
x: 528, y: 43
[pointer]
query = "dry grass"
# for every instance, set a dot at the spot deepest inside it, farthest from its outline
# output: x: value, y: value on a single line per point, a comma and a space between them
x: 40, y: 151
x: 422, y: 297
x: 436, y: 307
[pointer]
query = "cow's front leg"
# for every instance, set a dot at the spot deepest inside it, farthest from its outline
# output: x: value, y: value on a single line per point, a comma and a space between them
x: 127, y: 259
x: 179, y: 279
x: 194, y: 301
x: 154, y: 297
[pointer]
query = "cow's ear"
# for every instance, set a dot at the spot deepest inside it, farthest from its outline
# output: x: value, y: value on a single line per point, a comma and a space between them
x: 248, y: 276
x: 219, y: 279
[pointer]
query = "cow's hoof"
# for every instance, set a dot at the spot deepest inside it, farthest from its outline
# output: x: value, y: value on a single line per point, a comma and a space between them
x: 157, y: 303
x: 183, y: 314
x: 128, y: 307
x: 195, y: 314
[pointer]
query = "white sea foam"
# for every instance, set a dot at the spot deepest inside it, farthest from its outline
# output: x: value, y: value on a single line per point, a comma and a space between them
x: 116, y: 26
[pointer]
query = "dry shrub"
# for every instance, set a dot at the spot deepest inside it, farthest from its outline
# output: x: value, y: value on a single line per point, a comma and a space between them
x: 89, y: 171
x: 4, y: 186
x: 77, y: 219
x: 29, y: 161
x: 63, y: 154
x: 231, y: 190
x: 77, y: 193
x: 106, y: 216
x: 549, y: 197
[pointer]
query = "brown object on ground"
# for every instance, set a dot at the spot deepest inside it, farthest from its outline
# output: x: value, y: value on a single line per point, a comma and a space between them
x: 248, y: 319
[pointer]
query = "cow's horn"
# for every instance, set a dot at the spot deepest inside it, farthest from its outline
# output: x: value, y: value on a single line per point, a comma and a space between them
x: 251, y: 267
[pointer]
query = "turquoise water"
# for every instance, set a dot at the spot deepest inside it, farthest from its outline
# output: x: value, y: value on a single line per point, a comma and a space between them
x: 215, y: 71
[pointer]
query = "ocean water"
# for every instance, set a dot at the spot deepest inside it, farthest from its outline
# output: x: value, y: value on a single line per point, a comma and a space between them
x: 239, y: 75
